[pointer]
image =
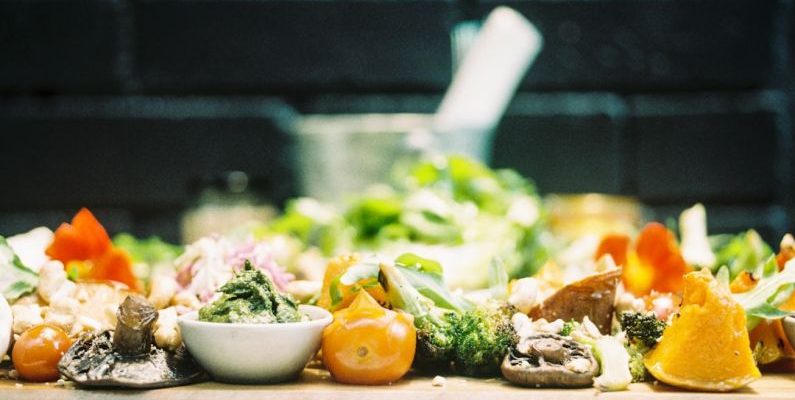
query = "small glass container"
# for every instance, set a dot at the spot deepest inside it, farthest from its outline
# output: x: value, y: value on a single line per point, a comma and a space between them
x: 576, y: 215
x: 224, y: 202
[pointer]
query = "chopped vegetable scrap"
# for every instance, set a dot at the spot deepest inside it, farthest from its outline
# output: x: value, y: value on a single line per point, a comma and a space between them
x: 592, y: 296
x: 450, y: 269
x: 713, y: 324
x: 210, y: 262
x: 655, y: 262
x: 86, y: 251
x: 335, y: 295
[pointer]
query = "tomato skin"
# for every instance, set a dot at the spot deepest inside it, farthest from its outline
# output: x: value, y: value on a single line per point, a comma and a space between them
x: 87, y: 242
x: 368, y: 344
x: 654, y: 263
x: 37, y: 352
x: 616, y: 245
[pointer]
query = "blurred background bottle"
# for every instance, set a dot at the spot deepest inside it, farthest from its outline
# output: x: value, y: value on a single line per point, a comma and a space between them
x: 225, y: 201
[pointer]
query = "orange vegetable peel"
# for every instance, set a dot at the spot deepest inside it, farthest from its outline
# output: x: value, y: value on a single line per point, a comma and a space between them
x: 654, y: 263
x: 707, y: 346
x: 85, y: 245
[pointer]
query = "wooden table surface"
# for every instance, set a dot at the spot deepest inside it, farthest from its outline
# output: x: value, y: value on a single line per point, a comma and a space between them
x: 316, y: 383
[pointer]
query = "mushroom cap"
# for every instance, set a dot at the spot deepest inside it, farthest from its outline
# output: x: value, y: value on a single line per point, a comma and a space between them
x: 127, y: 357
x: 92, y: 361
x: 551, y: 361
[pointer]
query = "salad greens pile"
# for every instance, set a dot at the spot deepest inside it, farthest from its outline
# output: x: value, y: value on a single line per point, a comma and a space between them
x: 149, y: 254
x: 452, y: 209
x: 151, y: 250
x: 740, y: 252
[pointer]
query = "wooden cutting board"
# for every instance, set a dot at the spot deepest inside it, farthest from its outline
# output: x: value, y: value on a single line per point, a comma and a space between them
x: 315, y: 383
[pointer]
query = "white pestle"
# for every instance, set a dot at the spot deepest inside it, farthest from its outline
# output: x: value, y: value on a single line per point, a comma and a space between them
x: 489, y: 74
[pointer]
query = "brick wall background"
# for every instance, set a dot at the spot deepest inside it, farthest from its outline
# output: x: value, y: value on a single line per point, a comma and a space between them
x: 123, y: 105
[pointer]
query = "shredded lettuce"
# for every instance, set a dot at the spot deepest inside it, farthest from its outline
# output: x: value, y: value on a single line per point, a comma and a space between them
x: 772, y: 290
x: 315, y: 224
x: 741, y: 252
x: 423, y: 274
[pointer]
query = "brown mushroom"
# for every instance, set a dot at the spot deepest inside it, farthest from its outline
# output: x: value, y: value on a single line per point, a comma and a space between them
x: 592, y: 297
x: 127, y: 357
x: 550, y: 360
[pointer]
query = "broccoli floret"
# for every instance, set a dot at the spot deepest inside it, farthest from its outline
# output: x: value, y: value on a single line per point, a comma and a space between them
x: 568, y: 327
x: 636, y: 353
x: 481, y: 338
x: 473, y: 342
x: 644, y: 328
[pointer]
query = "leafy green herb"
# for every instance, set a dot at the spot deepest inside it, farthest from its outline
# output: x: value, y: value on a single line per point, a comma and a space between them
x: 742, y: 252
x: 770, y: 291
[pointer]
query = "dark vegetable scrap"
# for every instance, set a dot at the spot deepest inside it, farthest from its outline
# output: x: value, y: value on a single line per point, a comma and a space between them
x: 126, y: 357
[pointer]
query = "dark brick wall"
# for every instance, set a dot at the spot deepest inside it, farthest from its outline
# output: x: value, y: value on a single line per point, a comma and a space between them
x: 123, y: 105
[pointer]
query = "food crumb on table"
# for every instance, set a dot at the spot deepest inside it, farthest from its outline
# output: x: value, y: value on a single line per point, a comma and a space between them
x: 438, y: 381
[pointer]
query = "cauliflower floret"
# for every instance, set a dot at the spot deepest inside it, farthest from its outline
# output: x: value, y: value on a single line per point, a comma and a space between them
x: 26, y: 316
x: 59, y: 319
x: 162, y: 291
x: 53, y: 281
x: 524, y: 294
x: 187, y: 299
x: 167, y: 334
x: 627, y: 302
x: 85, y: 324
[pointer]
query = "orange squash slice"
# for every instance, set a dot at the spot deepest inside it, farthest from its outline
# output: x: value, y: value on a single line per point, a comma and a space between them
x: 707, y: 345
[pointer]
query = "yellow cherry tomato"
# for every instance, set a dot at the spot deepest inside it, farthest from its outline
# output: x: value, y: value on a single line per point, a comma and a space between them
x: 37, y: 352
x: 368, y: 344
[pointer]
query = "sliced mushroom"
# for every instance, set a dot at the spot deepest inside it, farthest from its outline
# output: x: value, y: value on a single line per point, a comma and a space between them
x: 126, y: 357
x: 550, y: 361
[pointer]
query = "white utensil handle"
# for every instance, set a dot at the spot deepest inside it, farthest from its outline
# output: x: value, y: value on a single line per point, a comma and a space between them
x: 491, y: 70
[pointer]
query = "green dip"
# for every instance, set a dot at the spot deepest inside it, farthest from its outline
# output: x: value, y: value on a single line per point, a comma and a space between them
x: 250, y: 297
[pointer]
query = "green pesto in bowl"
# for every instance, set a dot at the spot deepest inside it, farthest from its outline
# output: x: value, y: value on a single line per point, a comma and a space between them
x: 251, y: 298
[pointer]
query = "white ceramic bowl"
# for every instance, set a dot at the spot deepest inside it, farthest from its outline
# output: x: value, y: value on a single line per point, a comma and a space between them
x: 254, y: 353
